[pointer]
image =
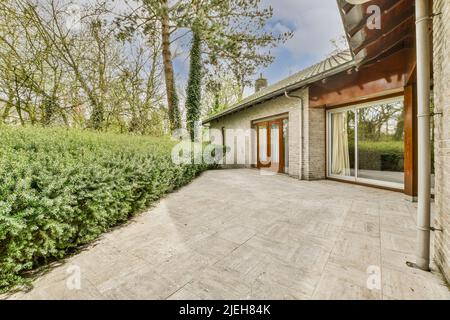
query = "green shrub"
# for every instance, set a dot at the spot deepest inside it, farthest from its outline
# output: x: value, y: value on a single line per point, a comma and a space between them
x: 60, y: 189
x: 379, y: 155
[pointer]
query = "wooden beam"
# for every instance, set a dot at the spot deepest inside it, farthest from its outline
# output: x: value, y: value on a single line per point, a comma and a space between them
x: 356, y: 18
x: 405, y: 24
x: 410, y: 130
x: 387, y: 75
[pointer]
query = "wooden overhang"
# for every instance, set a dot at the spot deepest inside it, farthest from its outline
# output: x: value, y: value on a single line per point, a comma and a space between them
x: 368, y: 42
x: 384, y: 58
x: 385, y: 64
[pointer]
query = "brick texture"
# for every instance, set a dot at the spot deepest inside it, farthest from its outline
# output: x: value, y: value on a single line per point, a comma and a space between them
x: 441, y: 44
x: 314, y: 143
x: 308, y: 163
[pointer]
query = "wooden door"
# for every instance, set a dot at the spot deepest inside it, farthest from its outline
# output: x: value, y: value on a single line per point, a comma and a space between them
x: 270, y: 145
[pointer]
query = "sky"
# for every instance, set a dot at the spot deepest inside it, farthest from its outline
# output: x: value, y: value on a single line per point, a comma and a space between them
x: 314, y: 23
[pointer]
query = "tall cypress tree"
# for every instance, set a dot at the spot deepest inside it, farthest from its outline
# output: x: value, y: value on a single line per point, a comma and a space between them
x: 193, y: 92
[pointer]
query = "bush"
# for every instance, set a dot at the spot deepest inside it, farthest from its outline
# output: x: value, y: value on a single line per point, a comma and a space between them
x: 60, y: 189
x: 379, y: 155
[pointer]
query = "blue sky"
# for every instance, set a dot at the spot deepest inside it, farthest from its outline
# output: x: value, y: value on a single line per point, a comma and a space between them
x: 314, y: 22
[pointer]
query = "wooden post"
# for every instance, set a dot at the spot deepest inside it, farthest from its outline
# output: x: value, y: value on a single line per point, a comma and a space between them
x: 410, y: 158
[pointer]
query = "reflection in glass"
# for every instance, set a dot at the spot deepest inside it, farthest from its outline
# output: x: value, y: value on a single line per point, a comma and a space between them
x: 275, y: 143
x: 381, y: 142
x: 286, y: 144
x: 262, y: 143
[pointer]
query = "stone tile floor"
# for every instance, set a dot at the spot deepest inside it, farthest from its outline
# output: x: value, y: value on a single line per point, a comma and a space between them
x: 237, y: 234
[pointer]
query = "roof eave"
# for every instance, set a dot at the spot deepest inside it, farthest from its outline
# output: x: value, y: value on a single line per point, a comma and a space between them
x: 282, y: 91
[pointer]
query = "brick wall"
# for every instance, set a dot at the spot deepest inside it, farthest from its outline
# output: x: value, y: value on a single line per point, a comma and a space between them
x: 314, y: 143
x: 441, y: 43
x: 309, y: 164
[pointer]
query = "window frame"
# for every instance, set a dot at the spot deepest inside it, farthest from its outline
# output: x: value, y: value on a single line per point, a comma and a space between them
x: 355, y: 178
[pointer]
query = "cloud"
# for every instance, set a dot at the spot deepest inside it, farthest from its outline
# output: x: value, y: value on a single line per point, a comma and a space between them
x: 314, y: 24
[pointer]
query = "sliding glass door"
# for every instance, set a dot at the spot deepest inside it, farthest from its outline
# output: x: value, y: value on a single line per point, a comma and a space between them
x: 366, y: 143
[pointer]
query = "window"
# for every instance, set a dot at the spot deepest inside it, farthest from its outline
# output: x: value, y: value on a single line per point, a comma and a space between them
x: 286, y: 144
x: 366, y: 143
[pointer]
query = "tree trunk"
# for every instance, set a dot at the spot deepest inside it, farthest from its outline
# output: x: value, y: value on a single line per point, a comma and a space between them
x: 8, y: 106
x: 172, y: 98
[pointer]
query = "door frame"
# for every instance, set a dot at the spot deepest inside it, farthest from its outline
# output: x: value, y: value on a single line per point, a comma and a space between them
x: 267, y: 122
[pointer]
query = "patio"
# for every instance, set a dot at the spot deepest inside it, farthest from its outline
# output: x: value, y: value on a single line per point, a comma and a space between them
x: 239, y: 234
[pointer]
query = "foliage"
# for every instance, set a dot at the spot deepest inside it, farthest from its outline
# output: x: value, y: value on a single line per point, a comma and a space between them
x: 219, y: 93
x: 234, y: 32
x: 237, y: 39
x: 174, y: 110
x: 379, y: 155
x: 60, y: 189
x: 193, y: 92
x: 59, y: 67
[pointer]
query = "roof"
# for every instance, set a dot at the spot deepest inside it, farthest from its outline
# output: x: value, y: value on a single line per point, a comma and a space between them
x: 332, y: 65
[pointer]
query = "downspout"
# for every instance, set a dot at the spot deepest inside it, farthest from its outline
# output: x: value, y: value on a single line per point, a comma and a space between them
x: 423, y: 17
x: 302, y: 107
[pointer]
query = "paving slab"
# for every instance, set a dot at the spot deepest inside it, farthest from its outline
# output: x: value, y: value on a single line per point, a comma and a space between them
x: 237, y: 234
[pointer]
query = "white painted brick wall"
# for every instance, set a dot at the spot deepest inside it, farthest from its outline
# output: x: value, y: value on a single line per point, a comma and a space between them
x: 313, y: 164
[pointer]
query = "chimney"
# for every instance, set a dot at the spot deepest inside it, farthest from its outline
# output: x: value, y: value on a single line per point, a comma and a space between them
x: 260, y: 83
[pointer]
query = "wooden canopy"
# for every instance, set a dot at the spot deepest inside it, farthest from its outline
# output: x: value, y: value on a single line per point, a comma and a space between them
x: 385, y: 57
x: 396, y: 32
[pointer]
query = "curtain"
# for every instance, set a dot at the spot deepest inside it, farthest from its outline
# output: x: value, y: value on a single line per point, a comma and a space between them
x: 340, y: 153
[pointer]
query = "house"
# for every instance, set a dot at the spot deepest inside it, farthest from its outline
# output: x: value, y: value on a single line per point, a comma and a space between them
x: 361, y: 115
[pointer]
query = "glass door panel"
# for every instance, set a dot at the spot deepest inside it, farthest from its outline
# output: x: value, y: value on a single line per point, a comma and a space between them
x: 272, y: 145
x: 275, y: 145
x: 263, y: 154
x: 342, y: 143
x: 286, y: 144
x: 381, y: 142
x: 366, y: 143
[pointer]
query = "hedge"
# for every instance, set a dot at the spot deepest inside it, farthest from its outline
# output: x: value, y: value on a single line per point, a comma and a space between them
x: 60, y: 189
x: 379, y: 155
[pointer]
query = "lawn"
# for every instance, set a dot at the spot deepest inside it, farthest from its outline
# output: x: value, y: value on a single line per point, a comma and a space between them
x: 60, y: 189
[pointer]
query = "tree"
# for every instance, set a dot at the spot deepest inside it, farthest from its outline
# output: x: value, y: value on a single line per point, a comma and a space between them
x: 237, y: 39
x: 193, y: 92
x: 155, y: 17
x: 172, y: 97
x: 219, y: 92
x: 54, y: 73
x: 234, y: 35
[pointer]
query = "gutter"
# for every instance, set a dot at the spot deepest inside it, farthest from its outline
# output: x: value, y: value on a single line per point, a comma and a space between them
x: 423, y: 18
